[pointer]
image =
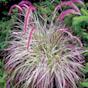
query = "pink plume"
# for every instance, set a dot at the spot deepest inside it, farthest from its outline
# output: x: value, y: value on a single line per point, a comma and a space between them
x: 25, y: 2
x: 27, y: 17
x: 68, y: 3
x: 78, y: 1
x: 15, y: 6
x: 66, y: 13
x: 30, y: 37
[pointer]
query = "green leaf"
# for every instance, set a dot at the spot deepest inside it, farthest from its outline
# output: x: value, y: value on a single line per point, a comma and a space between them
x: 84, y: 84
x: 84, y: 12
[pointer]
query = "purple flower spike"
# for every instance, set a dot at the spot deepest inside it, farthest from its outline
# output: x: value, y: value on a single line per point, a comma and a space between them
x: 27, y: 17
x: 24, y: 5
x: 78, y: 1
x: 29, y: 8
x: 30, y: 37
x: 15, y: 6
x: 25, y: 2
x: 68, y: 3
x: 66, y: 13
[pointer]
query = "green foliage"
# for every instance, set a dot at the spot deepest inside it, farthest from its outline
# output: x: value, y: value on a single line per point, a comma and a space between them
x: 86, y: 68
x: 85, y: 81
x: 80, y: 25
x: 84, y: 84
x: 2, y: 75
x: 46, y: 7
x: 3, y: 0
x: 4, y: 32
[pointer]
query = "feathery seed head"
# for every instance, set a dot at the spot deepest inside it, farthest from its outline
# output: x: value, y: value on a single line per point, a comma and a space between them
x: 73, y: 8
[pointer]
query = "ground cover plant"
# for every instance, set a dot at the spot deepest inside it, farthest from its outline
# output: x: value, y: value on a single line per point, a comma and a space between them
x: 85, y: 81
x: 2, y: 75
x: 4, y: 25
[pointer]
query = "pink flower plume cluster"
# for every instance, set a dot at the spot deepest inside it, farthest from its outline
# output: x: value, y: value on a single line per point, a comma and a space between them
x: 73, y: 8
x: 25, y: 5
x: 53, y: 56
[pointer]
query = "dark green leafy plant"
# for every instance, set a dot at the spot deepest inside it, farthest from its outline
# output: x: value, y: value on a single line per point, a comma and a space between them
x: 46, y: 7
x: 2, y: 75
x: 4, y: 32
x: 3, y: 0
x: 80, y: 25
x: 85, y: 82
